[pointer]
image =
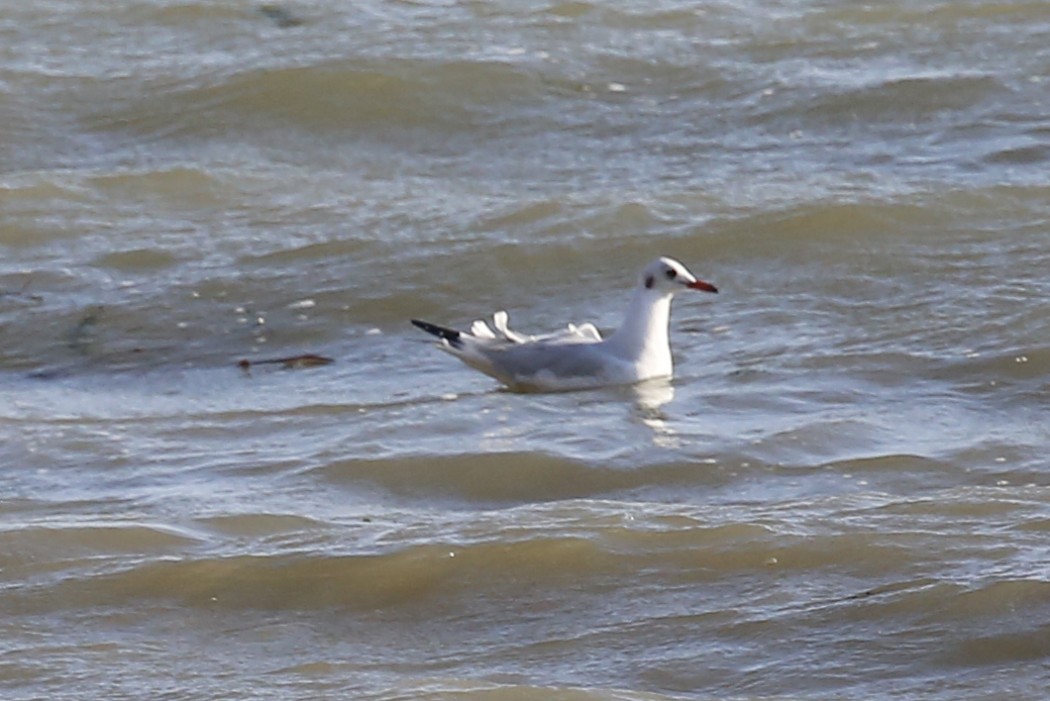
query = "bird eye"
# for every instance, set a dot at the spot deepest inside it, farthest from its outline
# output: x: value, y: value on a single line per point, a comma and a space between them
x: 671, y: 273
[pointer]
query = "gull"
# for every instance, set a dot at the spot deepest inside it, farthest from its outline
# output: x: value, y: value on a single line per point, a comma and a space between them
x: 577, y: 357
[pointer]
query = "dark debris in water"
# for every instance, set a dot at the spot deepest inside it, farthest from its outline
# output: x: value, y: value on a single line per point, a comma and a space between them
x: 294, y: 362
x: 88, y: 360
x: 82, y: 335
x: 281, y: 16
x: 83, y: 340
x: 22, y: 293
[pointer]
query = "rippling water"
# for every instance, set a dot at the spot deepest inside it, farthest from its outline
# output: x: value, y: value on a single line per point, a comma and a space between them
x: 842, y: 494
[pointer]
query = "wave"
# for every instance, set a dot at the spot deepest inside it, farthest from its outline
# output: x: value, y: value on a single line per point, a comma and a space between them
x: 512, y: 477
x: 447, y: 559
x: 354, y: 97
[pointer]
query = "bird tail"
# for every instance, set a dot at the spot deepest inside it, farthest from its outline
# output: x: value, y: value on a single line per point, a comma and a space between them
x: 451, y: 336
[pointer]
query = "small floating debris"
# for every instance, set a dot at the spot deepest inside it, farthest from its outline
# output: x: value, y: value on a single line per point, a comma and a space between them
x: 82, y: 335
x: 22, y: 292
x: 294, y: 362
x: 281, y: 16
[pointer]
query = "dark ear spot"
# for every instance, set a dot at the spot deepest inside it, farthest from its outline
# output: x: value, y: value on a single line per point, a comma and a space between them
x: 648, y: 282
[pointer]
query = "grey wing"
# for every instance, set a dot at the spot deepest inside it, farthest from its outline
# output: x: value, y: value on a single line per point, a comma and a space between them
x: 553, y: 361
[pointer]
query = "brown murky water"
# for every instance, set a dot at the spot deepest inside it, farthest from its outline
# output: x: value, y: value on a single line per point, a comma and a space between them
x: 842, y: 494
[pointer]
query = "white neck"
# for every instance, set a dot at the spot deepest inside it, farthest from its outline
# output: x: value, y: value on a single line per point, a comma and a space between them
x: 642, y: 339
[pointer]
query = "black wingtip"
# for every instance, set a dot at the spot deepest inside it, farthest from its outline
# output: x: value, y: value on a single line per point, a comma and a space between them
x: 446, y: 334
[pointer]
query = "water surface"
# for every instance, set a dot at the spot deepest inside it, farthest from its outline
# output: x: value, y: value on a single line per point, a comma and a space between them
x: 841, y: 494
